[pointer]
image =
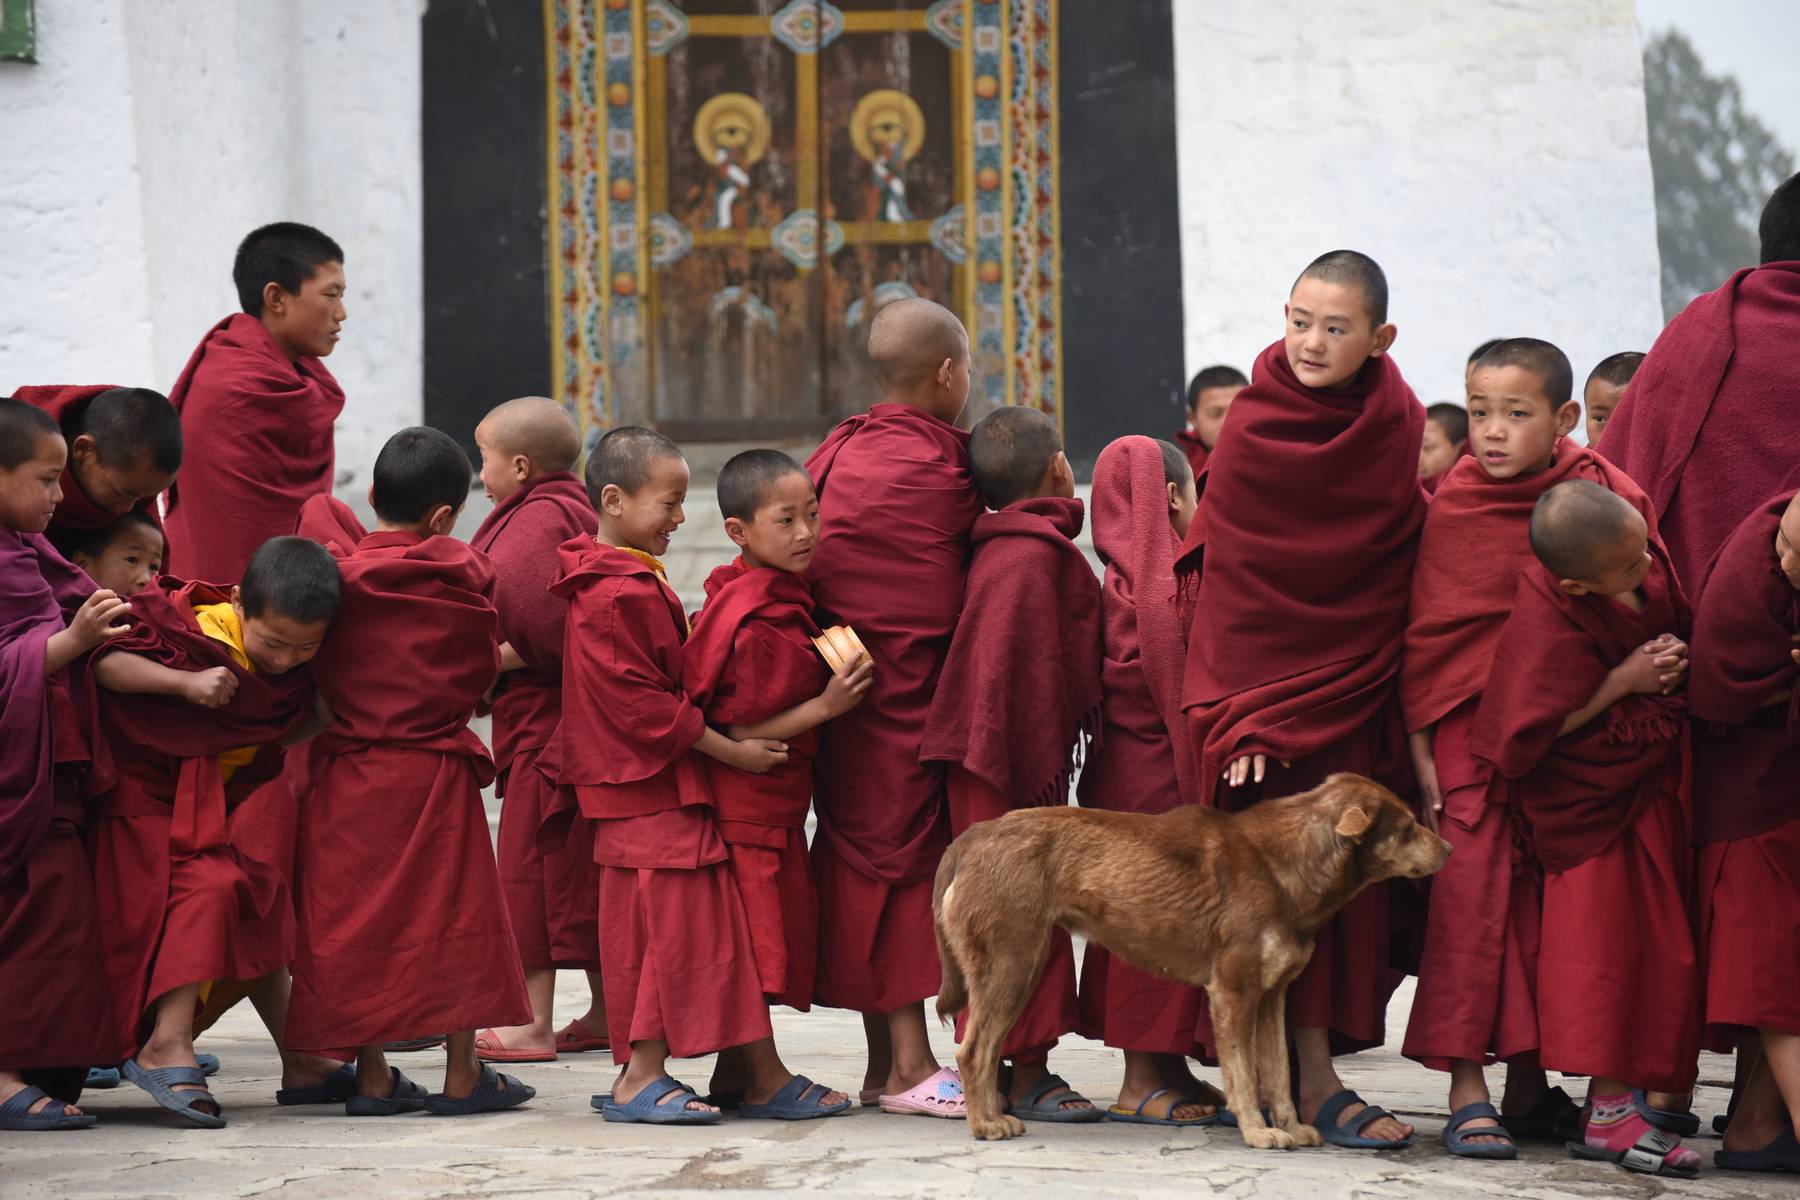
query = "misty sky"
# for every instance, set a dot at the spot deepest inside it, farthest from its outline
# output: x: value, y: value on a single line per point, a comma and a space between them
x: 1756, y: 40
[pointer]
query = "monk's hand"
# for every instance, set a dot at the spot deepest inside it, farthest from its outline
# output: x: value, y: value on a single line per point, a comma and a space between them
x: 211, y: 688
x: 1796, y: 651
x: 1639, y: 674
x: 1424, y: 758
x: 1670, y: 654
x: 1249, y: 769
x: 849, y: 685
x: 94, y: 621
x: 759, y: 756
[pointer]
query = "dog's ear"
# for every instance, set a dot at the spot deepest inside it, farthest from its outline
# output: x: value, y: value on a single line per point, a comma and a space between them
x: 1354, y: 822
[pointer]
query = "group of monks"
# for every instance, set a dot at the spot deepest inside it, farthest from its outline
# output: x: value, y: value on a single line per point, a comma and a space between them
x: 238, y: 761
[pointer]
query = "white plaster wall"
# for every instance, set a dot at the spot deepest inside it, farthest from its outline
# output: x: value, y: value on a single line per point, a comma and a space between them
x: 1490, y: 154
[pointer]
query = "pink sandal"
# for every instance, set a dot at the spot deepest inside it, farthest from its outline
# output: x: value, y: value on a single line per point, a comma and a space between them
x: 939, y: 1095
x: 576, y: 1038
x: 489, y: 1048
x: 1635, y: 1144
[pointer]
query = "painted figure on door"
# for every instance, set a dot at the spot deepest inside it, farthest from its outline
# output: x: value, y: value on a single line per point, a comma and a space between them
x: 731, y: 132
x: 887, y: 129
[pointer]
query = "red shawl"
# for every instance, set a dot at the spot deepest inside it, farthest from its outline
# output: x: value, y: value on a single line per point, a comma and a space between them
x: 750, y: 657
x: 1303, y: 544
x: 1746, y: 752
x: 1431, y: 483
x: 1021, y: 685
x: 1577, y: 793
x: 37, y: 589
x: 1193, y: 447
x: 896, y: 505
x: 64, y: 401
x: 258, y: 443
x: 1706, y: 425
x: 1471, y: 554
x: 1143, y: 760
x: 627, y: 728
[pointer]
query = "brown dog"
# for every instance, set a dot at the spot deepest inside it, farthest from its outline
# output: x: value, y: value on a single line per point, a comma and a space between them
x: 1227, y: 902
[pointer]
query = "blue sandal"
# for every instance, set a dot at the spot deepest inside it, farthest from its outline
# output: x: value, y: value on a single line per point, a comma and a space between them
x: 408, y: 1097
x: 103, y: 1078
x: 647, y: 1108
x: 1782, y: 1154
x: 335, y: 1088
x: 1456, y: 1136
x: 16, y: 1113
x: 1045, y: 1103
x: 160, y: 1083
x: 493, y: 1092
x: 800, y: 1099
x: 1347, y: 1134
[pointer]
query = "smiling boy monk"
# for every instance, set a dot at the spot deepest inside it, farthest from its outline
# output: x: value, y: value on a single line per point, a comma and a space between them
x: 752, y: 668
x: 1588, y: 744
x: 675, y: 951
x: 1209, y: 396
x: 896, y: 506
x: 1303, y: 545
x: 1474, y: 1001
x: 528, y: 451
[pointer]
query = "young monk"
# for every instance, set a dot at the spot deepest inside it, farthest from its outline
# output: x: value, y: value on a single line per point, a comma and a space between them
x: 421, y: 944
x: 896, y: 506
x: 1144, y: 501
x: 751, y: 667
x: 675, y: 950
x: 528, y: 451
x: 124, y: 557
x: 257, y: 403
x: 1020, y: 696
x: 1302, y: 550
x: 1581, y: 726
x: 1747, y: 821
x: 52, y: 990
x: 196, y: 700
x: 1209, y: 396
x: 1446, y: 440
x: 1605, y: 387
x: 125, y: 446
x: 1474, y: 1002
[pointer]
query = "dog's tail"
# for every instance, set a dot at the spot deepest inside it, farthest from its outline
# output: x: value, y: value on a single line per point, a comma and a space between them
x: 953, y: 992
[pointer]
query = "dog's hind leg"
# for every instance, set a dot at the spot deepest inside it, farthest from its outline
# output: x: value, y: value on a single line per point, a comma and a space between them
x: 1236, y: 1019
x: 1274, y: 1080
x: 999, y: 982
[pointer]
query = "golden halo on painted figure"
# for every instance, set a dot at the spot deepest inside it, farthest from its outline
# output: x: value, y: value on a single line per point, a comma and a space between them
x: 883, y: 120
x: 733, y: 122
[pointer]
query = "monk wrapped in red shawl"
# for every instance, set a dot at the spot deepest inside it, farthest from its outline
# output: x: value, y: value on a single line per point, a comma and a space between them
x: 1143, y: 762
x: 1588, y: 744
x: 1747, y: 820
x: 1020, y: 696
x: 1446, y: 443
x: 528, y: 451
x: 196, y: 700
x: 675, y: 949
x: 751, y: 667
x: 125, y: 445
x: 896, y: 507
x: 1209, y: 396
x: 421, y: 944
x: 257, y: 403
x: 1705, y: 425
x: 52, y: 977
x: 1474, y: 1000
x: 1303, y: 550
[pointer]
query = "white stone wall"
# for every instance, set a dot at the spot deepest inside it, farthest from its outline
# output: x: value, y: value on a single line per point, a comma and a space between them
x: 1490, y: 154
x: 151, y: 136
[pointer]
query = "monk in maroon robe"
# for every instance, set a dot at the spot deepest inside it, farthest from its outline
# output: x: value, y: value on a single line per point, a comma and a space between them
x: 1019, y: 697
x: 1300, y: 558
x: 125, y: 446
x: 1209, y: 396
x: 528, y: 449
x: 896, y: 508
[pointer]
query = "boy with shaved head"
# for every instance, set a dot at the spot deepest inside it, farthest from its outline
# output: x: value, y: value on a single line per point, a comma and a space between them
x: 528, y: 451
x: 1581, y: 723
x: 1209, y: 396
x: 1606, y: 387
x: 124, y: 449
x: 675, y: 949
x: 896, y: 509
x: 1299, y: 561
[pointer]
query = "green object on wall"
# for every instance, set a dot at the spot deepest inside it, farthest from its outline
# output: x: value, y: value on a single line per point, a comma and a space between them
x: 18, y: 30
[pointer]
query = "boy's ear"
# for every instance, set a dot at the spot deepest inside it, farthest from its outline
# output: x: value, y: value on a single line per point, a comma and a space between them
x: 1174, y: 497
x: 83, y: 448
x: 1573, y: 587
x: 1384, y: 339
x: 441, y: 520
x: 237, y: 604
x: 523, y: 467
x: 945, y: 373
x: 274, y: 297
x: 1567, y: 417
x: 734, y: 529
x: 612, y: 499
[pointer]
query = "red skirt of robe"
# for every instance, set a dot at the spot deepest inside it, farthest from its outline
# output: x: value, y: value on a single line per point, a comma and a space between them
x: 1750, y: 933
x: 675, y: 948
x: 781, y: 907
x: 877, y: 950
x: 402, y: 926
x: 53, y: 987
x: 552, y: 896
x: 1476, y: 997
x: 1051, y: 1012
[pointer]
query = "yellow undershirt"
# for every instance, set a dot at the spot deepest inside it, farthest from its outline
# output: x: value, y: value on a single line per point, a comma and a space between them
x: 220, y: 623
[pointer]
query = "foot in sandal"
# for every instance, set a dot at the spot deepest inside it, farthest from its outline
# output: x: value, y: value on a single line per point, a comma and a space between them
x: 1614, y: 1131
x: 24, y: 1107
x: 1035, y: 1093
x: 939, y: 1094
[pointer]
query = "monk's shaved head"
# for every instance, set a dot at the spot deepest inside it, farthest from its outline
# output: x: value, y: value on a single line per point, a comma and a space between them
x: 23, y: 427
x: 1540, y: 358
x: 1352, y: 268
x: 910, y: 339
x: 1575, y: 524
x: 537, y: 427
x: 746, y: 481
x: 626, y: 458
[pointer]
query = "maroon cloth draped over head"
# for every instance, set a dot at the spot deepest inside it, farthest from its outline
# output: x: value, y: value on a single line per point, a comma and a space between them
x: 258, y: 433
x: 1021, y: 685
x: 38, y: 588
x: 1577, y: 793
x: 64, y: 401
x: 1303, y: 545
x: 1474, y: 547
x: 1746, y: 751
x: 1193, y: 447
x: 1706, y: 423
x: 896, y: 505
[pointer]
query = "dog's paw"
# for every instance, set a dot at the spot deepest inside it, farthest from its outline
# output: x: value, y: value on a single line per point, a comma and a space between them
x: 1267, y: 1139
x: 1304, y: 1135
x: 996, y: 1129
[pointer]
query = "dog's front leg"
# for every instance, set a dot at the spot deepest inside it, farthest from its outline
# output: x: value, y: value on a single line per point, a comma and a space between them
x: 1272, y: 1066
x: 1235, y: 1015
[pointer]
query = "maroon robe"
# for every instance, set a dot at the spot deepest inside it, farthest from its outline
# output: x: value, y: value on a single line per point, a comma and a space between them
x: 551, y: 895
x: 896, y: 505
x: 76, y: 512
x: 1195, y: 449
x: 420, y: 945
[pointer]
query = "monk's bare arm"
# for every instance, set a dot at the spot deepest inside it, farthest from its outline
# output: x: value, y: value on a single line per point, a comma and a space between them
x: 755, y: 755
x: 843, y: 693
x: 509, y: 659
x: 210, y: 688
